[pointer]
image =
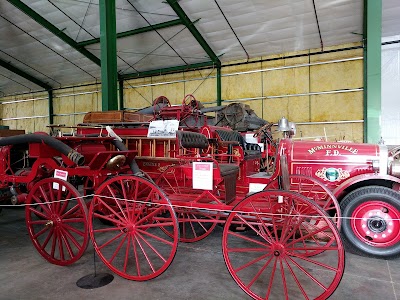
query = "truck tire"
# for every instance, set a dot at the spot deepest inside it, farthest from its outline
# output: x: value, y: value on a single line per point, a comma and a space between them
x: 371, y: 222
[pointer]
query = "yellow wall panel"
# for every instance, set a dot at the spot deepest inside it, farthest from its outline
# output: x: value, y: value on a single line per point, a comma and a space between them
x: 40, y: 124
x: 9, y: 110
x: 336, y: 76
x: 285, y: 82
x: 299, y: 109
x: 274, y: 109
x: 12, y: 124
x: 241, y: 86
x: 203, y: 90
x: 41, y: 107
x: 337, y: 107
x: 24, y: 109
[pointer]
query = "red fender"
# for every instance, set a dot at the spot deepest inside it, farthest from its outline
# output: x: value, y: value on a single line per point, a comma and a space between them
x: 340, y: 190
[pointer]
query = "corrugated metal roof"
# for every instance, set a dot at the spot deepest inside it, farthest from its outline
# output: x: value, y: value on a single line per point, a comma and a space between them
x: 234, y: 30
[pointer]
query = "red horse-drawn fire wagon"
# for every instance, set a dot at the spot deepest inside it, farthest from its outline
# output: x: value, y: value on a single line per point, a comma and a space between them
x: 363, y: 177
x: 275, y: 241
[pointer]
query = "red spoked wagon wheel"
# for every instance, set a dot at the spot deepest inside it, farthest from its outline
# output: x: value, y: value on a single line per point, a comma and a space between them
x: 159, y: 103
x: 270, y: 260
x: 56, y: 217
x: 315, y: 190
x: 194, y: 224
x: 125, y: 225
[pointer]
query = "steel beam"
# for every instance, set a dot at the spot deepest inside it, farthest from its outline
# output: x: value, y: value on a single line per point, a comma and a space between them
x: 121, y: 94
x: 372, y: 70
x: 51, y: 111
x: 135, y: 31
x: 193, y: 30
x: 219, y: 100
x: 108, y: 45
x: 53, y: 29
x: 21, y: 73
x: 163, y: 71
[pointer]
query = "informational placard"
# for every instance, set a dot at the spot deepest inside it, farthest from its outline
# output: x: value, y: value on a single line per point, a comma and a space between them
x: 60, y: 174
x: 203, y: 175
x: 256, y: 187
x: 163, y: 128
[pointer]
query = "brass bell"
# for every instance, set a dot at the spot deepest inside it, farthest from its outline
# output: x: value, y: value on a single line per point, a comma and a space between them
x: 116, y: 162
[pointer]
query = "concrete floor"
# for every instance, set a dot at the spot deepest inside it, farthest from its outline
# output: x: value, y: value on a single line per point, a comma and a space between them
x: 197, y: 272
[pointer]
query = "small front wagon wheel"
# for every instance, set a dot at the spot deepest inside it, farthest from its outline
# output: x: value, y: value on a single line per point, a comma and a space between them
x: 126, y: 222
x: 270, y: 260
x: 56, y: 218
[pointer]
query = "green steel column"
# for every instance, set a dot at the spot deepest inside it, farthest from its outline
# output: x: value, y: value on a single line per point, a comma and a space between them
x: 121, y: 94
x: 372, y: 70
x: 219, y: 100
x: 51, y: 112
x: 108, y: 45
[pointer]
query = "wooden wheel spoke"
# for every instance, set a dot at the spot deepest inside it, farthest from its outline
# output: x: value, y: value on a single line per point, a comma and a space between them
x: 127, y: 254
x: 72, y: 211
x: 315, y: 262
x: 152, y: 247
x: 117, y: 201
x: 304, y: 271
x: 296, y: 280
x: 248, y: 239
x: 107, y: 218
x: 98, y: 198
x: 283, y: 277
x: 256, y: 260
x: 252, y: 227
x: 73, y: 229
x: 145, y: 254
x: 109, y: 241
x: 135, y: 251
x: 72, y: 238
x: 263, y: 227
x: 65, y: 241
x: 149, y: 216
x: 310, y: 234
x: 156, y: 237
x: 271, y: 279
x: 46, y: 241
x: 43, y: 230
x: 118, y: 248
x: 37, y: 213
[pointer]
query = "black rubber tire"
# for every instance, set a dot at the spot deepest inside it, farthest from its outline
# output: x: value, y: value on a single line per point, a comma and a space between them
x: 349, y: 203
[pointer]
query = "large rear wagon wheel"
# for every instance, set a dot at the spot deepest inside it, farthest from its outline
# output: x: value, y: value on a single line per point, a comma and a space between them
x: 371, y: 225
x: 194, y: 224
x: 270, y: 260
x: 314, y: 190
x: 56, y: 217
x: 133, y: 244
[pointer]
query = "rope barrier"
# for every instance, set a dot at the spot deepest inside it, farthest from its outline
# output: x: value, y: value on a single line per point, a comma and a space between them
x: 177, y: 206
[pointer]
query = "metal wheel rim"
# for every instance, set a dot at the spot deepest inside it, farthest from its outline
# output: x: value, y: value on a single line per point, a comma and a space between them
x: 133, y: 246
x: 376, y: 223
x: 283, y: 254
x: 63, y: 222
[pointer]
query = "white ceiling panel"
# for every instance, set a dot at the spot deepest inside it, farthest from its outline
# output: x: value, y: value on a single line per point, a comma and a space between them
x: 259, y: 28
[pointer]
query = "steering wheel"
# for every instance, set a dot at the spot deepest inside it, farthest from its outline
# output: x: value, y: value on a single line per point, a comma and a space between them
x: 266, y: 131
x: 190, y: 102
x: 189, y: 113
x: 159, y: 103
x: 263, y: 129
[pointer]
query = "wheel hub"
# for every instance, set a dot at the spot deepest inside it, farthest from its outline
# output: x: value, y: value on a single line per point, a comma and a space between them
x: 376, y: 223
x: 278, y: 249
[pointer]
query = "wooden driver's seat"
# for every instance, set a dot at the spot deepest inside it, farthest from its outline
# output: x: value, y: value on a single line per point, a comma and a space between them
x: 226, y: 172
